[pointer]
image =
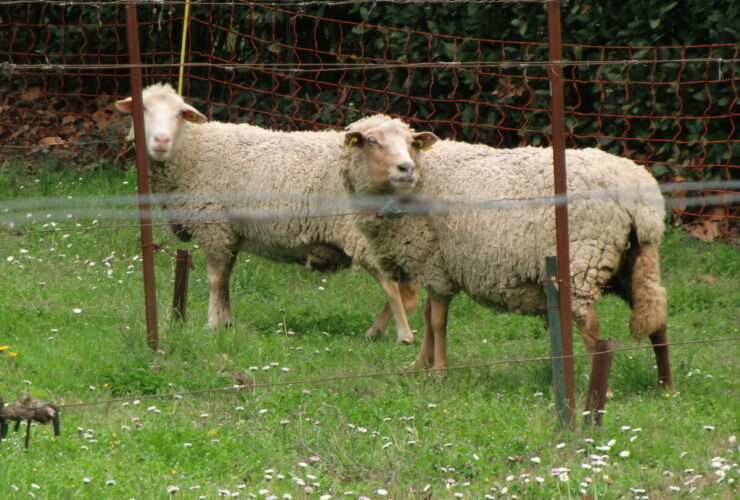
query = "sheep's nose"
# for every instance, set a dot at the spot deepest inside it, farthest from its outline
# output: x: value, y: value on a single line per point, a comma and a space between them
x: 161, y: 139
x: 405, y: 167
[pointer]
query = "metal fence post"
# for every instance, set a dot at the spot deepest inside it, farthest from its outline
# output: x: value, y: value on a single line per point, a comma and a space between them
x: 555, y: 72
x: 142, y: 175
x: 182, y: 273
x: 565, y: 413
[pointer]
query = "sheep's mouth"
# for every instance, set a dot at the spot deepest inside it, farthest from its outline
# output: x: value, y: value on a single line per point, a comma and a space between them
x: 160, y: 153
x: 403, y: 182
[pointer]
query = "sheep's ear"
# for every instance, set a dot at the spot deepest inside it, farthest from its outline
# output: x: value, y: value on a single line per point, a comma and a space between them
x: 191, y: 114
x: 353, y: 139
x: 424, y: 140
x: 125, y: 105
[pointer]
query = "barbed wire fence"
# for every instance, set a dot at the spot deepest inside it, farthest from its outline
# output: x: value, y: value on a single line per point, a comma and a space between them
x: 75, y: 63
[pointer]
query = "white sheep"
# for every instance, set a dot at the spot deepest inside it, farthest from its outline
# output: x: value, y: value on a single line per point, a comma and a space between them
x: 497, y: 256
x: 206, y: 169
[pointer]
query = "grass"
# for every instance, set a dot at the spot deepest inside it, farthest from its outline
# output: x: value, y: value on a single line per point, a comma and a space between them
x: 71, y: 311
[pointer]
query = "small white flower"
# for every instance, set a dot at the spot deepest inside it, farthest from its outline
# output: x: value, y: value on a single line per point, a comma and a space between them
x: 560, y: 445
x: 77, y: 310
x: 35, y: 486
x: 86, y: 479
x: 381, y: 492
x: 624, y: 453
x: 172, y: 489
x: 110, y: 482
x: 535, y: 460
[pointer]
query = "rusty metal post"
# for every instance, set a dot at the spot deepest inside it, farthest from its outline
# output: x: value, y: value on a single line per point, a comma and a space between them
x: 182, y: 274
x: 555, y: 72
x: 598, y: 384
x: 142, y: 175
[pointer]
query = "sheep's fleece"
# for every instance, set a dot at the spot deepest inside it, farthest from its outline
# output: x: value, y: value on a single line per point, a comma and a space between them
x: 497, y: 255
x: 240, y: 173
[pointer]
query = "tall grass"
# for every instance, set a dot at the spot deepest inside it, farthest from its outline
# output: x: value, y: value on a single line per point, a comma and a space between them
x: 71, y: 312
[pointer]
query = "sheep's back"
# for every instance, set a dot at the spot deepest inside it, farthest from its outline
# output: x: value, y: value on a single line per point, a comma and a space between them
x: 497, y: 253
x: 264, y: 182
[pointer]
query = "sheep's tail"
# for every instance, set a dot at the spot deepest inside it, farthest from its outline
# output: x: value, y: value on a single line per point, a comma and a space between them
x: 649, y: 304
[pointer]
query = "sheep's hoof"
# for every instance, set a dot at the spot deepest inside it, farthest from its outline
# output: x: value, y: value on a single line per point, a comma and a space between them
x: 405, y: 339
x: 373, y: 333
x: 419, y: 365
x: 216, y: 326
x: 438, y: 371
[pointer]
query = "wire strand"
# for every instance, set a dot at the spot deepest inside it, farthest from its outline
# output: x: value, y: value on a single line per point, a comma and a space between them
x: 340, y: 378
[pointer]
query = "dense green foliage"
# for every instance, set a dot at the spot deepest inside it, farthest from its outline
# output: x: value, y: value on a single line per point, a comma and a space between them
x: 652, y: 112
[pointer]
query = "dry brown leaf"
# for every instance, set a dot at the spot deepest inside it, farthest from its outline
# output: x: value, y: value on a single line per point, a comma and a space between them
x: 31, y: 94
x: 506, y: 89
x: 69, y: 119
x: 709, y: 278
x: 708, y: 227
x: 52, y: 141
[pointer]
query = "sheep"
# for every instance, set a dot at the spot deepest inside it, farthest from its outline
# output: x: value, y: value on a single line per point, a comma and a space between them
x: 199, y: 164
x: 497, y: 256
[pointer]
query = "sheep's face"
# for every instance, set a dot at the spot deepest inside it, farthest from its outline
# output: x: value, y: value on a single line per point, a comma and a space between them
x: 164, y: 114
x: 389, y: 155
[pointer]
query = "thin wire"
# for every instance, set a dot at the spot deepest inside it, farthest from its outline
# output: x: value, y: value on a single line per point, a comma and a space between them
x: 273, y: 3
x: 330, y: 208
x: 339, y: 378
x: 291, y: 68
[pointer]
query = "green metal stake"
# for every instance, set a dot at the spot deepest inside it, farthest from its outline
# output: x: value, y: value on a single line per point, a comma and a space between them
x: 565, y: 416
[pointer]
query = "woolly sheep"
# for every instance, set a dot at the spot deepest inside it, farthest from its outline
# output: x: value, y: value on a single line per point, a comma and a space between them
x: 497, y: 256
x: 204, y: 168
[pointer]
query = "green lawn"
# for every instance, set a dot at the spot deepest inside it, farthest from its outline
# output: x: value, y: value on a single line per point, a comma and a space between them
x: 71, y: 314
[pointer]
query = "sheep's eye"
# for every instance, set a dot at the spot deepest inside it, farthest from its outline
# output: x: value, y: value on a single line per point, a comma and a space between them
x: 372, y: 140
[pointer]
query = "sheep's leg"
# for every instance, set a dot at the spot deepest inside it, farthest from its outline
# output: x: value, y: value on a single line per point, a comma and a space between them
x: 426, y: 354
x: 219, y: 307
x: 649, y: 309
x: 585, y: 318
x: 439, y: 310
x: 659, y: 340
x: 381, y: 322
x: 393, y: 307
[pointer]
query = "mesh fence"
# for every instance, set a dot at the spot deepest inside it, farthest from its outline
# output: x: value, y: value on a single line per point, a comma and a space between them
x: 311, y: 66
